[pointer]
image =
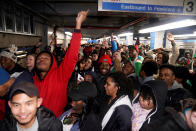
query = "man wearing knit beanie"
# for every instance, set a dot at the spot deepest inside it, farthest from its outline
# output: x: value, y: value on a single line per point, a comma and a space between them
x: 104, y: 69
x: 8, y: 61
x: 104, y: 64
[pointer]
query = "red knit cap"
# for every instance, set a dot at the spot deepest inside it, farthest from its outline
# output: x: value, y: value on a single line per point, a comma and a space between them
x: 105, y: 58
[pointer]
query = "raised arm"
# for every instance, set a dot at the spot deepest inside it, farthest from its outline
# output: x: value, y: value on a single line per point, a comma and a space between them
x: 81, y: 18
x: 71, y: 57
x: 175, y: 50
x: 114, y: 44
x: 6, y: 86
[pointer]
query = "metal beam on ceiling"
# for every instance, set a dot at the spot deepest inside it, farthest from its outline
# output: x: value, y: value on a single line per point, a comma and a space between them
x: 30, y: 9
x: 114, y: 28
x: 63, y: 1
x: 51, y: 7
x: 63, y: 12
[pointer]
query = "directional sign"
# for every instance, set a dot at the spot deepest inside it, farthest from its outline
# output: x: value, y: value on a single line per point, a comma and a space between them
x: 179, y: 7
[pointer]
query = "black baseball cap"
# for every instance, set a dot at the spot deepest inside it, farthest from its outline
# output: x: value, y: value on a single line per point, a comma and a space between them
x: 27, y: 87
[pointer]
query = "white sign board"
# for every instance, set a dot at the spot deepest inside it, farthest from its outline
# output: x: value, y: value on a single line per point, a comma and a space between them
x: 178, y: 7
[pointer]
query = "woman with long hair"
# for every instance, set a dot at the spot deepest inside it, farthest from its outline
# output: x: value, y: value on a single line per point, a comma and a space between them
x: 116, y: 113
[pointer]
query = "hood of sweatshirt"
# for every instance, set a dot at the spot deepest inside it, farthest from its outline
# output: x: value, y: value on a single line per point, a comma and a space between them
x: 159, y: 89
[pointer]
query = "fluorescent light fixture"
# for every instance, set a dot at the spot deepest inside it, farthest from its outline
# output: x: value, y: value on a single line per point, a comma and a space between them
x: 19, y: 56
x: 142, y: 38
x: 19, y: 51
x: 86, y: 38
x: 68, y: 33
x: 50, y: 33
x: 168, y: 26
x: 125, y: 34
x: 100, y: 39
x: 185, y: 35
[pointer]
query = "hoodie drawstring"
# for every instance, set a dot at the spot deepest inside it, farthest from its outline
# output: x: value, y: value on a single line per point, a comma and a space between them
x: 148, y: 120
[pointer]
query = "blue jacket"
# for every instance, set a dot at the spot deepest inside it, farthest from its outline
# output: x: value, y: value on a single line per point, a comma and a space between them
x: 75, y: 126
x: 114, y: 46
x: 4, y: 76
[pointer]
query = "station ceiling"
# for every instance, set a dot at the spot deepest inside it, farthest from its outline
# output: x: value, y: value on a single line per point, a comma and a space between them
x: 62, y: 13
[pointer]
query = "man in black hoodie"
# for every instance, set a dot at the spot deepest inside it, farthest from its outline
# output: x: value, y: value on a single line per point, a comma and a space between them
x: 26, y: 112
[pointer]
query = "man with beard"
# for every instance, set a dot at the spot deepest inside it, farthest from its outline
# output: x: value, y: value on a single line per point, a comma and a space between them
x: 104, y: 69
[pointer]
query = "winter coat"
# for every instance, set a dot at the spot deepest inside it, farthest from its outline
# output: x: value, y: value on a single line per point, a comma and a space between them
x: 175, y: 94
x: 75, y: 126
x: 114, y: 46
x: 89, y: 122
x: 170, y: 121
x: 101, y: 95
x: 193, y: 82
x: 118, y: 116
x: 101, y: 82
x: 160, y: 118
x: 159, y: 89
x: 4, y: 77
x: 174, y: 54
x: 53, y: 88
x: 86, y: 122
x: 47, y: 121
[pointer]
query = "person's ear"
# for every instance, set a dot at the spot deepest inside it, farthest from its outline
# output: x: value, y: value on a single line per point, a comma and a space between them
x: 118, y: 87
x: 10, y: 104
x: 39, y: 101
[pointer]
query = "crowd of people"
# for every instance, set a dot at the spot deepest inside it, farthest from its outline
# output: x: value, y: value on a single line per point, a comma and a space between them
x: 103, y: 86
